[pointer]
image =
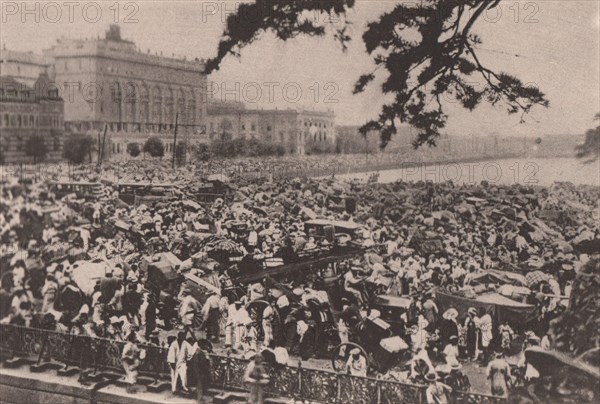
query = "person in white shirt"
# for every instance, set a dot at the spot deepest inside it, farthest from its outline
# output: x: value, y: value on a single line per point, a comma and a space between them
x: 232, y: 312
x: 85, y: 237
x: 180, y: 352
x: 485, y: 325
x: 351, y: 280
x: 357, y: 363
x: 253, y: 238
x: 241, y: 319
x: 189, y: 308
x: 267, y: 323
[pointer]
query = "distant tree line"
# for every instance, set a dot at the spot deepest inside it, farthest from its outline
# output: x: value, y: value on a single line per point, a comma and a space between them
x: 81, y: 148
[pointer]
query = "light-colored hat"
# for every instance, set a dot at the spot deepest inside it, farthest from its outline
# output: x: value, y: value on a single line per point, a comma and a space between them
x: 450, y: 314
x: 431, y: 377
x: 355, y: 351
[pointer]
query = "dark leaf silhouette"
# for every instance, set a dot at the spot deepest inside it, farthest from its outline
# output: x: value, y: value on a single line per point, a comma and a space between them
x: 423, y: 74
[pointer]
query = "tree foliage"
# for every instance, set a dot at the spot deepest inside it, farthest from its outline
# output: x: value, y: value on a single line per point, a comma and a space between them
x: 356, y: 143
x: 133, y: 149
x: 201, y: 152
x: 590, y: 149
x: 576, y: 331
x: 442, y: 63
x: 77, y: 147
x: 154, y: 147
x: 36, y: 147
x: 312, y: 147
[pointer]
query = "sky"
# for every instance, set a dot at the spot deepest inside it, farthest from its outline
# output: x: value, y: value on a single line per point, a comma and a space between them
x: 554, y: 45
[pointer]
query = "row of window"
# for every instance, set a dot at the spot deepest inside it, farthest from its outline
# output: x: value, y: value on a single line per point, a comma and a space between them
x: 252, y: 127
x: 11, y: 93
x: 17, y: 143
x: 30, y: 121
x: 317, y: 124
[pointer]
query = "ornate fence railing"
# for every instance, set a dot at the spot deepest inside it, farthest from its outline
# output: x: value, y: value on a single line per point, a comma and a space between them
x: 227, y: 372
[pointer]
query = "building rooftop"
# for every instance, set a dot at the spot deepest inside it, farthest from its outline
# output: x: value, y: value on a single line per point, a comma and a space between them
x: 14, y: 89
x: 114, y: 46
x: 7, y: 55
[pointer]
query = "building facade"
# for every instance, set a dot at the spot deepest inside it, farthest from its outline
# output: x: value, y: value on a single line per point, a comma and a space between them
x: 108, y: 81
x: 25, y: 67
x: 291, y: 128
x: 27, y: 111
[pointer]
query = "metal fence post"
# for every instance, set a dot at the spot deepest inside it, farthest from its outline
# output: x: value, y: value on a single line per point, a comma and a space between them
x: 227, y: 365
x: 300, y: 378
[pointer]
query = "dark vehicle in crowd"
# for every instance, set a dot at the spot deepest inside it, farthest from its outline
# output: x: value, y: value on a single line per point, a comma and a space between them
x: 306, y: 263
x: 376, y: 341
x: 391, y: 308
x: 211, y: 190
x: 332, y: 229
x: 144, y: 192
x: 83, y: 189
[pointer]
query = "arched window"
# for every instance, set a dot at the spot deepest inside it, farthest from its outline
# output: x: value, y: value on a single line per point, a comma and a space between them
x: 157, y: 105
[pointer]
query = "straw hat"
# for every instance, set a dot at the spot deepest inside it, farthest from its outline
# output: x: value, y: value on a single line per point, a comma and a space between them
x: 431, y: 377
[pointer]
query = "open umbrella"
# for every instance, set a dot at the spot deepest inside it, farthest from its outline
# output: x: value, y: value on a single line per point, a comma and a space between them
x: 535, y: 277
x: 224, y: 245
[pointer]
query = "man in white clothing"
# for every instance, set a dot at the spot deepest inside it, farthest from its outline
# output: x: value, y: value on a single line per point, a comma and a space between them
x: 180, y: 352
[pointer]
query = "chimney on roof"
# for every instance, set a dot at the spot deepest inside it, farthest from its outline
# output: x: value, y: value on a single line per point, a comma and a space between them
x: 113, y: 33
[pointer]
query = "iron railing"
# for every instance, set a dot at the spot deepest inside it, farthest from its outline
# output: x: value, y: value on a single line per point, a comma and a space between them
x: 227, y: 372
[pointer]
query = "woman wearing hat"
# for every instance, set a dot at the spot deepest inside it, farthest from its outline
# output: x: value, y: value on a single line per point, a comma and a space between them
x: 448, y: 326
x: 471, y: 331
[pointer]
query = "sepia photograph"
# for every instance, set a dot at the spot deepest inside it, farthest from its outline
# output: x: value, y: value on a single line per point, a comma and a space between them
x: 300, y: 201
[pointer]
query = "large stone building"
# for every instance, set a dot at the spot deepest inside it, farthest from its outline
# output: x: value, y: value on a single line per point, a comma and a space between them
x: 25, y: 67
x: 292, y: 128
x: 26, y: 111
x: 109, y: 81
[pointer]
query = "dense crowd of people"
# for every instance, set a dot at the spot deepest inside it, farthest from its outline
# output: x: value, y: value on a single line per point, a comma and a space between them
x: 419, y: 241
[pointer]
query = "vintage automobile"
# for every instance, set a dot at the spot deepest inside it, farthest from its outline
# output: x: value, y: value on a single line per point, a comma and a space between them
x: 331, y: 229
x: 83, y: 189
x: 391, y: 308
x: 211, y: 190
x: 138, y: 193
